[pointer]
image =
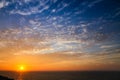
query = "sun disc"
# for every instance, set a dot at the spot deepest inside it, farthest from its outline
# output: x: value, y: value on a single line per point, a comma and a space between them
x: 21, y: 68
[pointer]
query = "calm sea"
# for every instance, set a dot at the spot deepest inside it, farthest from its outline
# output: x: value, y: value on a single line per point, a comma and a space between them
x: 66, y: 75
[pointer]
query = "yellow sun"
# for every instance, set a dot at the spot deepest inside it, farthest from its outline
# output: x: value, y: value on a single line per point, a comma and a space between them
x: 21, y: 68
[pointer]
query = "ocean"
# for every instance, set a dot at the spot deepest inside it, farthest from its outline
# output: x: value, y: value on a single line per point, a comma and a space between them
x: 63, y: 75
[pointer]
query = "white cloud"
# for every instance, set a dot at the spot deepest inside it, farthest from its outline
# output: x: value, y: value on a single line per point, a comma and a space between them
x: 20, y: 12
x: 30, y: 10
x: 54, y: 10
x: 35, y: 51
x: 3, y: 4
x: 27, y: 1
x: 106, y: 46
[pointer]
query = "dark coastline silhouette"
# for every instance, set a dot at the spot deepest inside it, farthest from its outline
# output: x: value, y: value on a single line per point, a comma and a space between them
x: 62, y: 75
x: 5, y: 78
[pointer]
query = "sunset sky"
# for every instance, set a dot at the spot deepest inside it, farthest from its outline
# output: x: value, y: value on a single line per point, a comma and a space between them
x: 50, y: 35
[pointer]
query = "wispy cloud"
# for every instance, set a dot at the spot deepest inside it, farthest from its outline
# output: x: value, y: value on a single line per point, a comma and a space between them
x: 117, y: 13
x: 107, y: 46
x: 94, y: 3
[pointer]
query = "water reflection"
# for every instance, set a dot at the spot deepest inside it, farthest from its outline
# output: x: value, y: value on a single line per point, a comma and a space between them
x: 20, y: 77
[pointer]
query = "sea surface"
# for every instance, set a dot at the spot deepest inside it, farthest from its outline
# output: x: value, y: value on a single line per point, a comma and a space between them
x: 63, y: 75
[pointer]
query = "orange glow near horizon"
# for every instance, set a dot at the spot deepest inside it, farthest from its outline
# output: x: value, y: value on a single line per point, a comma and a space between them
x: 53, y: 62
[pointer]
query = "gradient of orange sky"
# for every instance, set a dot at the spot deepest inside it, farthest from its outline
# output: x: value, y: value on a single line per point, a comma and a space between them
x: 54, y: 62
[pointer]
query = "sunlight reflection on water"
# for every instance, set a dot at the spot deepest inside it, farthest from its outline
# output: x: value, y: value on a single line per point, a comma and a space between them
x: 20, y: 77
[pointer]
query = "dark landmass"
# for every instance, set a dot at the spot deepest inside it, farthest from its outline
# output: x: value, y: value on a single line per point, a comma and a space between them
x: 63, y: 75
x: 5, y: 78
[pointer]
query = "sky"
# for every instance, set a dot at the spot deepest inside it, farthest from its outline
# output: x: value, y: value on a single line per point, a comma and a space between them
x: 60, y: 34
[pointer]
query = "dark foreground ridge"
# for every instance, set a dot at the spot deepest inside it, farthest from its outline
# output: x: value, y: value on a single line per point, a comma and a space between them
x: 62, y: 75
x: 5, y: 78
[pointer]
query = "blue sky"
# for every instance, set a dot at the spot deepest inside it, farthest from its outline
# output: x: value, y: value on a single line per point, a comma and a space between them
x: 85, y: 29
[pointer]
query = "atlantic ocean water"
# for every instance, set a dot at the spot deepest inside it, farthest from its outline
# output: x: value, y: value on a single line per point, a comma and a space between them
x: 63, y: 75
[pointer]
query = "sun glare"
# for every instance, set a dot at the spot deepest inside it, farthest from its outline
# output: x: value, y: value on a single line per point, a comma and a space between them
x: 21, y: 68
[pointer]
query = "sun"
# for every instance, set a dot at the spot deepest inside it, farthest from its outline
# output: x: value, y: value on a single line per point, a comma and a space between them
x: 21, y: 68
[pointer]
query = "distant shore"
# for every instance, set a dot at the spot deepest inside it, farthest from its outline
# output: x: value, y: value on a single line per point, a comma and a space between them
x: 5, y: 78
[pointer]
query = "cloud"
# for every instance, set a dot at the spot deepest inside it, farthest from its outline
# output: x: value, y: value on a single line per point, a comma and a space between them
x: 35, y: 51
x: 26, y: 1
x: 57, y: 31
x: 85, y: 5
x: 59, y: 48
x: 107, y: 46
x: 62, y: 6
x: 94, y: 3
x: 30, y: 7
x: 2, y: 44
x: 20, y: 12
x: 51, y: 47
x: 30, y: 41
x: 3, y: 3
x: 29, y: 10
x: 117, y: 13
x: 41, y: 32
